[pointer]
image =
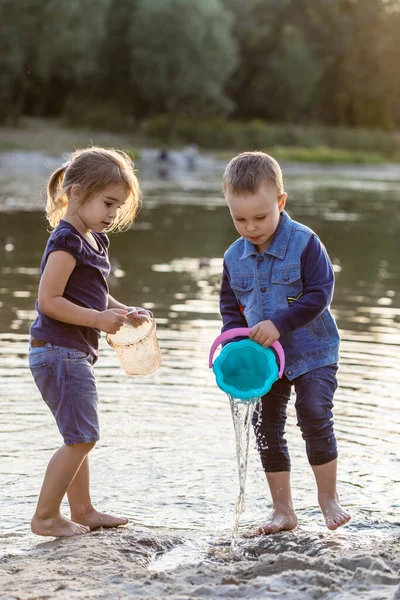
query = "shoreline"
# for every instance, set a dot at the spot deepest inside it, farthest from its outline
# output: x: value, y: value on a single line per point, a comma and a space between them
x: 52, y: 137
x: 24, y: 173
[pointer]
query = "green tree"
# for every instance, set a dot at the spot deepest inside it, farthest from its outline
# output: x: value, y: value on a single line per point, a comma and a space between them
x: 182, y: 54
x: 366, y: 77
x: 114, y: 81
x: 47, y: 47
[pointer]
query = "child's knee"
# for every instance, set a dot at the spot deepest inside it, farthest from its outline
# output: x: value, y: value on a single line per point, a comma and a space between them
x: 83, y: 447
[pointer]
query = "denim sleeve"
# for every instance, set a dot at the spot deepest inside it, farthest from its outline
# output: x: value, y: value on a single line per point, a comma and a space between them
x: 228, y: 305
x: 318, y: 283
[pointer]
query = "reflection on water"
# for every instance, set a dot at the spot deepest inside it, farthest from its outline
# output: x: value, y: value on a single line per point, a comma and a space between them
x: 167, y: 452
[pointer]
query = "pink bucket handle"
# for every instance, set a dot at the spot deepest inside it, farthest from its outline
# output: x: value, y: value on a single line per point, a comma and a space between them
x: 244, y: 331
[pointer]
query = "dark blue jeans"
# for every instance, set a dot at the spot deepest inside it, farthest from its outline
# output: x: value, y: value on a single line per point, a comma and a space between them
x: 314, y: 403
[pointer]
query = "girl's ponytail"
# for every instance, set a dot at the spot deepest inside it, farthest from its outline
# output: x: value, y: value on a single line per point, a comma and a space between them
x: 57, y: 201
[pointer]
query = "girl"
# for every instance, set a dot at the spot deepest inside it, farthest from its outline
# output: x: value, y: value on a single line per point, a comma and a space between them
x: 96, y: 191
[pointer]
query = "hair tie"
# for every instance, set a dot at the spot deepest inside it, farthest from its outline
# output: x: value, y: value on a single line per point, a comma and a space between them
x: 66, y: 165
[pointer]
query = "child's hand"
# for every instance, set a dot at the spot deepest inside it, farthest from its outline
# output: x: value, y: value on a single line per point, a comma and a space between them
x: 137, y: 315
x: 111, y: 320
x: 264, y: 333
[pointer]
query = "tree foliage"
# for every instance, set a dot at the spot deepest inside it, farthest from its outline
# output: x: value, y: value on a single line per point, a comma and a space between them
x: 182, y: 54
x: 320, y: 61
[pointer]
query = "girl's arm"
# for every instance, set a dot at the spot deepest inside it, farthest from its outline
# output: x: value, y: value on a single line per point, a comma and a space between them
x: 57, y: 271
x: 137, y: 314
x: 113, y: 303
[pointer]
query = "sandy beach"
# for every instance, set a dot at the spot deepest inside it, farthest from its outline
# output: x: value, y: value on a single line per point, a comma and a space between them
x: 132, y: 563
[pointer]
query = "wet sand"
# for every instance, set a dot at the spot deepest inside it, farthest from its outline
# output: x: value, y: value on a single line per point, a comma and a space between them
x: 129, y: 563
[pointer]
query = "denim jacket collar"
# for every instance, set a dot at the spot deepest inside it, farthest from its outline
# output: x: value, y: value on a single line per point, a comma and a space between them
x: 279, y: 243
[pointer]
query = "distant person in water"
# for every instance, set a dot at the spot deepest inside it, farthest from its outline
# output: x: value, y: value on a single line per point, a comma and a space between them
x: 94, y: 192
x: 165, y: 162
x: 191, y: 154
x: 163, y: 155
x: 278, y: 280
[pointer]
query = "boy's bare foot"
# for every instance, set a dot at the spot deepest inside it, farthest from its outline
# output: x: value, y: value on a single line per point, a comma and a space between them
x: 95, y: 519
x: 57, y: 527
x: 334, y: 513
x: 278, y: 521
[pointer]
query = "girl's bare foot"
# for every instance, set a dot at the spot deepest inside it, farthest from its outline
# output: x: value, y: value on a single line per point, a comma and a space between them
x: 334, y: 513
x: 57, y: 527
x: 95, y: 519
x: 278, y: 521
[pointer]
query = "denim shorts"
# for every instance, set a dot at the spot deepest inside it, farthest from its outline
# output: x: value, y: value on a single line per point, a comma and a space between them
x: 66, y: 381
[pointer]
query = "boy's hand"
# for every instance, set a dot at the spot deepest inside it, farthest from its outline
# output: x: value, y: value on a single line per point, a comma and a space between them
x: 111, y: 320
x: 264, y: 333
x: 136, y: 315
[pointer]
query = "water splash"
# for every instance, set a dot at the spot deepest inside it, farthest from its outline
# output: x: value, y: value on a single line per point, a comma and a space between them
x: 242, y: 413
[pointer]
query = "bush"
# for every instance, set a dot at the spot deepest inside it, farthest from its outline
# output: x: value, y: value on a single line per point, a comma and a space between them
x: 219, y: 134
x: 96, y: 115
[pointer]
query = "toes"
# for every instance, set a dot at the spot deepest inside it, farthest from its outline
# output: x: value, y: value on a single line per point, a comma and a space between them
x: 263, y: 530
x: 337, y: 521
x: 268, y: 529
x: 83, y: 529
x: 342, y: 518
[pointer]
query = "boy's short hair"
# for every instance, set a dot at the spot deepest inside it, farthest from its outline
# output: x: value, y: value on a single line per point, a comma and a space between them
x: 247, y: 171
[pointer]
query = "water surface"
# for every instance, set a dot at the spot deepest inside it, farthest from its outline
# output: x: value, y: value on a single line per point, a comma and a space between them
x: 167, y: 458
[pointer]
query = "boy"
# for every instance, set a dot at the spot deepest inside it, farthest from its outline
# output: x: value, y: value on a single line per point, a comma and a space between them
x: 278, y: 280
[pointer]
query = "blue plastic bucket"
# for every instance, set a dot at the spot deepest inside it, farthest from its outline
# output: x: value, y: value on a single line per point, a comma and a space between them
x: 246, y: 370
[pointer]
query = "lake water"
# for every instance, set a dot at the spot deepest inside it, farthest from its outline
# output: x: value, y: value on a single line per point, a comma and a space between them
x: 166, y: 458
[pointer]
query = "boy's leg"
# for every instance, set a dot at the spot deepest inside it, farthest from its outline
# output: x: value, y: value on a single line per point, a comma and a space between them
x: 328, y: 499
x: 283, y: 516
x: 60, y: 472
x: 269, y: 428
x: 82, y: 509
x: 314, y: 403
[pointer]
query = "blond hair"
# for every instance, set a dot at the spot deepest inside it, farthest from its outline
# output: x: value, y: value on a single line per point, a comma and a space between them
x: 247, y: 171
x: 94, y: 168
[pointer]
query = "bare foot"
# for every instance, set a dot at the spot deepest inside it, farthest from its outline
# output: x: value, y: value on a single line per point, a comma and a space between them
x: 57, y: 527
x: 334, y: 513
x: 95, y: 519
x: 278, y: 521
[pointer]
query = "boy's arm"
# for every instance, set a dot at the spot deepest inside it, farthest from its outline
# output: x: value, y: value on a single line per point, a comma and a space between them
x: 228, y: 305
x: 318, y: 283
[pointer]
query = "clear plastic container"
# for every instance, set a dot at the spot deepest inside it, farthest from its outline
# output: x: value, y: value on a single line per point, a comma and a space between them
x: 137, y: 347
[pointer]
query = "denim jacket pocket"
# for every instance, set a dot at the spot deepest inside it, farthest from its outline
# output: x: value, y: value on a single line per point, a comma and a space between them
x: 286, y: 283
x: 243, y: 288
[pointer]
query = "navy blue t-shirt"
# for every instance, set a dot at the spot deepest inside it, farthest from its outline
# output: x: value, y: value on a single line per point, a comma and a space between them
x: 87, y: 286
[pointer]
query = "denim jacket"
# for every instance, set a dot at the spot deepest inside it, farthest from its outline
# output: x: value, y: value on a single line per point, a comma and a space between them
x: 291, y: 283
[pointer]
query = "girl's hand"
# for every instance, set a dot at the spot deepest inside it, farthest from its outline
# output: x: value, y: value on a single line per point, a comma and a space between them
x: 136, y: 315
x: 264, y: 333
x: 111, y: 320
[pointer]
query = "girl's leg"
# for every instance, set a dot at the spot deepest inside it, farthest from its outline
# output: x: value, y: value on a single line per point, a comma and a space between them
x: 269, y: 427
x: 61, y: 470
x: 314, y: 403
x: 82, y: 509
